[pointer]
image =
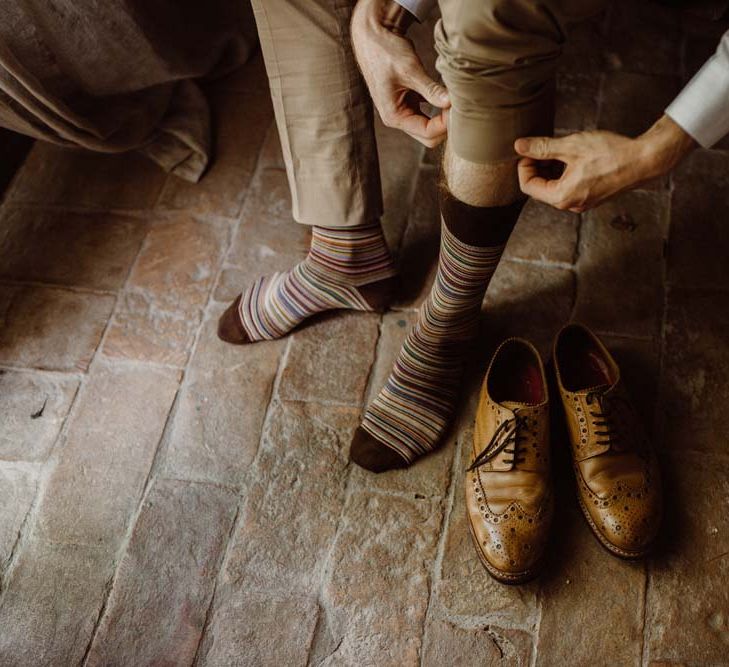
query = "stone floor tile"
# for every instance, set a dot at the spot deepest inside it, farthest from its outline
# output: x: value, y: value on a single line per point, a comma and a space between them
x: 480, y: 646
x: 694, y: 390
x: 700, y: 39
x: 462, y: 587
x: 687, y: 617
x: 578, y: 75
x: 33, y: 408
x: 376, y: 594
x: 106, y: 456
x: 528, y: 301
x: 248, y: 78
x: 544, y: 234
x: 620, y: 266
x: 72, y: 177
x: 18, y: 482
x: 271, y: 155
x: 212, y: 355
x: 329, y: 359
x: 586, y: 43
x: 633, y: 102
x: 293, y: 499
x: 93, y: 250
x: 241, y: 121
x: 51, y: 604
x: 400, y: 157
x: 431, y: 474
x: 179, y: 259
x: 231, y: 283
x: 267, y: 239
x: 583, y: 581
x: 644, y: 37
x: 52, y: 329
x: 248, y: 628
x: 216, y: 425
x: 163, y: 586
x: 421, y: 241
x: 160, y: 311
x: 577, y: 96
x: 699, y: 244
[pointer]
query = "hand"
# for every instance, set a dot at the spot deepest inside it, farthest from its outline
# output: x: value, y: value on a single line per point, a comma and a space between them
x: 598, y: 164
x: 397, y: 81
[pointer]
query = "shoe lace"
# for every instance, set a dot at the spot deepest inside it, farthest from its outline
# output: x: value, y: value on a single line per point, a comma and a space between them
x: 510, y: 431
x: 605, y: 417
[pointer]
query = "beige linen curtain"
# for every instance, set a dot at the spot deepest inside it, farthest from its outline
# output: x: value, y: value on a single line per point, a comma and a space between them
x: 119, y: 75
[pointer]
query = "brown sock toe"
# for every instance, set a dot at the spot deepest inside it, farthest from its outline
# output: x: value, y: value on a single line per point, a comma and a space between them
x: 230, y: 328
x: 369, y: 453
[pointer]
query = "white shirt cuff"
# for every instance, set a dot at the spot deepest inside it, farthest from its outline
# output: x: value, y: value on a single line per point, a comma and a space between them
x: 702, y: 107
x: 420, y: 9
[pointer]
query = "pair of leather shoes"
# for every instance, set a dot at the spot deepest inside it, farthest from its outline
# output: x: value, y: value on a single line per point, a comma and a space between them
x: 509, y: 490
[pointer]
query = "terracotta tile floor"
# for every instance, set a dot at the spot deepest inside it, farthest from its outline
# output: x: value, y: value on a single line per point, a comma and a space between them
x: 166, y: 499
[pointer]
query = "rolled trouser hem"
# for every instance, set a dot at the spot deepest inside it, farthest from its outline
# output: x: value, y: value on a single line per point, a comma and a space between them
x: 329, y: 208
x: 489, y: 136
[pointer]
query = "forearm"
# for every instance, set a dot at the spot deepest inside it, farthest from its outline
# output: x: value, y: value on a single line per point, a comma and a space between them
x: 658, y: 150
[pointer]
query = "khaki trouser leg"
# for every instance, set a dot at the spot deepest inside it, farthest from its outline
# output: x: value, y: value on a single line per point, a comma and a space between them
x: 323, y: 111
x: 498, y: 59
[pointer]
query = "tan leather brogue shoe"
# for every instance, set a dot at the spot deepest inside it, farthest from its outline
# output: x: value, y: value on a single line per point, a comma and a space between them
x: 618, y: 481
x: 509, y: 498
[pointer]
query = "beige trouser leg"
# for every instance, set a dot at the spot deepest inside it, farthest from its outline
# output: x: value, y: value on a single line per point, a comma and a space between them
x: 323, y: 111
x: 498, y: 59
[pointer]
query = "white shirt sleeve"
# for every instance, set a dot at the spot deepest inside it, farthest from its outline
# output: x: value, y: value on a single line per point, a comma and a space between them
x: 702, y: 107
x: 418, y: 8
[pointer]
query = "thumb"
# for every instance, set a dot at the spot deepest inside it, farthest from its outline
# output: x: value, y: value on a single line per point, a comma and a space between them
x: 539, y: 148
x: 432, y: 91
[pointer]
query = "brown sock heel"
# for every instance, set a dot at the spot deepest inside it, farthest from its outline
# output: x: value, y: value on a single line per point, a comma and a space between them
x: 379, y: 295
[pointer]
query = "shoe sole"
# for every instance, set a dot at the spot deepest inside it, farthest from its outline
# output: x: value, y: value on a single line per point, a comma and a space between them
x: 501, y: 576
x: 604, y: 542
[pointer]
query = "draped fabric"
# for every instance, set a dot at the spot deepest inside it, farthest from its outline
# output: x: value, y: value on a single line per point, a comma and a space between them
x: 119, y: 75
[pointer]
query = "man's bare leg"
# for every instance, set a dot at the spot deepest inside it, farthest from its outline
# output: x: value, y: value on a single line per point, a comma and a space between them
x: 482, y: 185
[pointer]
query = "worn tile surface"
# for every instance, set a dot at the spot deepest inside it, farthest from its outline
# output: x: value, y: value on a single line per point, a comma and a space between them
x: 169, y: 499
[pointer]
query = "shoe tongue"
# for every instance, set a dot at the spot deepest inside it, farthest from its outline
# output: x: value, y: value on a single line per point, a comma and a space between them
x: 516, y: 405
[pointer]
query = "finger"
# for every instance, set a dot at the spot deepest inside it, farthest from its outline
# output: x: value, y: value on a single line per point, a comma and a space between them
x: 536, y: 186
x: 428, y: 143
x: 540, y: 148
x: 432, y: 91
x: 429, y: 131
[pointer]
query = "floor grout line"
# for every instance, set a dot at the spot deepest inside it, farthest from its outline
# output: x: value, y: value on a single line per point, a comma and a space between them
x: 443, y: 532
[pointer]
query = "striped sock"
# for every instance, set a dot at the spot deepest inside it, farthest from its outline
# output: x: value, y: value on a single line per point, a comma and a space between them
x: 340, y: 263
x: 412, y: 411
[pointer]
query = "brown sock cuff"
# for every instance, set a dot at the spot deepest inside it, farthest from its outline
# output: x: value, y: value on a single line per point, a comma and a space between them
x: 479, y: 225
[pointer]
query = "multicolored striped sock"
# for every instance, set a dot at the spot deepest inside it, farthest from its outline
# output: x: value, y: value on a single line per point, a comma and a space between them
x: 340, y: 263
x: 412, y: 411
